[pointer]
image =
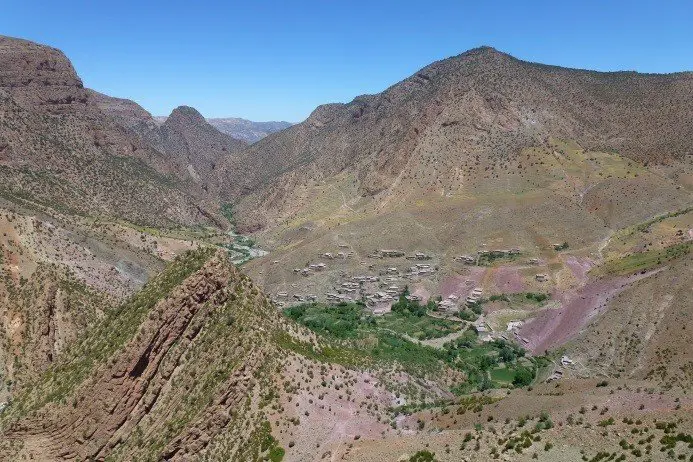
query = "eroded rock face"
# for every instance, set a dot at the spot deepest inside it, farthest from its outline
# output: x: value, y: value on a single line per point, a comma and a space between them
x: 37, y: 75
x: 159, y: 374
x: 58, y: 147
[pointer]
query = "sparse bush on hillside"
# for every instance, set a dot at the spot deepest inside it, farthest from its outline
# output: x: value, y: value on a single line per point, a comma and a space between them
x: 537, y: 297
x: 423, y: 456
x: 560, y: 247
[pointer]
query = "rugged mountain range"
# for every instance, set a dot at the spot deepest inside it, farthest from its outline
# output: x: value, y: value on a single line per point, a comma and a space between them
x: 83, y: 176
x: 535, y: 295
x: 57, y: 148
x: 185, y: 137
x: 426, y: 132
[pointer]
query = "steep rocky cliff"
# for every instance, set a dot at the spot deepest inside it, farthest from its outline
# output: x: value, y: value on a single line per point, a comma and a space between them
x: 59, y: 149
x: 164, y: 376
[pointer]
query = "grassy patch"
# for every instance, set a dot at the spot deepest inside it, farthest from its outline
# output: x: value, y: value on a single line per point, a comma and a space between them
x: 502, y: 375
x: 418, y: 327
x: 645, y: 226
x: 519, y: 298
x: 488, y: 258
x: 644, y: 261
x: 353, y: 338
x: 342, y: 320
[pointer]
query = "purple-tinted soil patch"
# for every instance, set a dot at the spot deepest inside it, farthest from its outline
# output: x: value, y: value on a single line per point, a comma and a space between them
x: 458, y: 285
x: 508, y: 279
x: 579, y: 267
x: 554, y: 327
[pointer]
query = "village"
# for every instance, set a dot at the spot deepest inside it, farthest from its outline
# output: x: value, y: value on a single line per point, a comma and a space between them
x: 377, y: 289
x: 390, y: 272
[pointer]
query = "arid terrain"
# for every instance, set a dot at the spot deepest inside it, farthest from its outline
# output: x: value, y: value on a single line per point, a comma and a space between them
x: 490, y: 260
x: 242, y: 129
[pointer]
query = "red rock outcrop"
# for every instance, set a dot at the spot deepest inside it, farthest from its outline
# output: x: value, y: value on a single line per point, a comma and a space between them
x: 145, y: 380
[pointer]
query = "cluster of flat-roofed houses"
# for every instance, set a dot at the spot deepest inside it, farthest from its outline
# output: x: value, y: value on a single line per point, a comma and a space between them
x: 380, y: 290
x: 373, y: 289
x: 476, y: 259
x: 386, y: 291
x: 384, y: 288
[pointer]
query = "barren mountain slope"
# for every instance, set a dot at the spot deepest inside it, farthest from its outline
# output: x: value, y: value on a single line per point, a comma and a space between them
x: 184, y: 137
x: 426, y: 132
x: 57, y: 148
x: 477, y: 153
x: 646, y: 332
x: 129, y: 115
x: 187, y: 136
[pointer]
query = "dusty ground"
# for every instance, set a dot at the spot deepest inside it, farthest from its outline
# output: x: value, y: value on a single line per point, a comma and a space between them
x: 555, y: 326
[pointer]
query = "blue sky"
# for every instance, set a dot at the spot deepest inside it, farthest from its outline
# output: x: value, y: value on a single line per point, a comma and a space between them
x: 278, y: 60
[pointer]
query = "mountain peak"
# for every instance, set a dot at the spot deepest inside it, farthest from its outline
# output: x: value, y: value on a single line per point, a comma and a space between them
x: 187, y: 113
x: 24, y: 63
x: 484, y: 52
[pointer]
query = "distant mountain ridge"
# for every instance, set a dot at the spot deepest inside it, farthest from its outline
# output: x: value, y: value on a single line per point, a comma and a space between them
x: 242, y: 129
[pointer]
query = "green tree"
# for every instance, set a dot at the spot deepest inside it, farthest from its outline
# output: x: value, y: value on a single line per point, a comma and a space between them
x: 523, y: 377
x: 423, y: 456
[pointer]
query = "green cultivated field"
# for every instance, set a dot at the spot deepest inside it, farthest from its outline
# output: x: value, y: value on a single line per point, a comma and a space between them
x: 356, y: 338
x: 349, y: 320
